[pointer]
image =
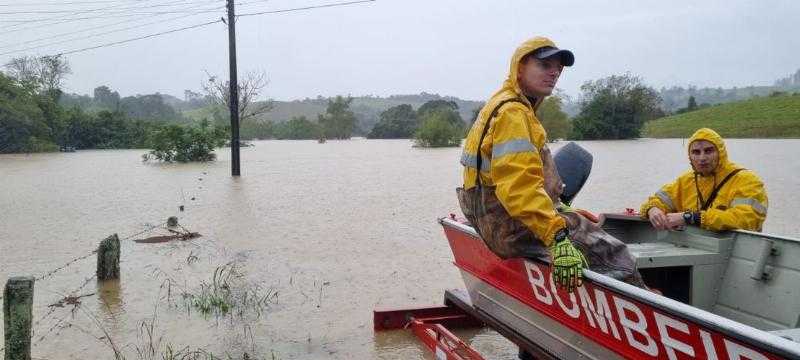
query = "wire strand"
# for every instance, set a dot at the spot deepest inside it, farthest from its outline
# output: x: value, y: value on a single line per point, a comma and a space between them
x: 174, y: 3
x: 138, y: 38
x: 59, y: 19
x: 210, y: 23
x: 117, y: 14
x: 104, y: 26
x: 75, y: 13
x: 94, y: 35
x: 70, y: 3
x: 305, y: 8
x: 69, y: 263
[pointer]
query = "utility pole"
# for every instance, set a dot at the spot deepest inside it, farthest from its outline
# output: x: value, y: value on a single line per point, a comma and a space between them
x: 234, y: 91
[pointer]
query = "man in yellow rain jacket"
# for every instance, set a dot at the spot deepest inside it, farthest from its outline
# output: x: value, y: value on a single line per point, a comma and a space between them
x: 512, y: 201
x: 715, y: 194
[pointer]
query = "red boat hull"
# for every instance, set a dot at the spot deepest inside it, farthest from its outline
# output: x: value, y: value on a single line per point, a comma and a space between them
x: 604, y: 318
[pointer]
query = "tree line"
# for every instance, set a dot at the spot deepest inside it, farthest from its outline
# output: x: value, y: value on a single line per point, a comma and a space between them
x: 615, y: 107
x: 438, y: 123
x: 32, y: 120
x: 35, y: 115
x: 39, y: 117
x: 435, y: 123
x: 338, y: 122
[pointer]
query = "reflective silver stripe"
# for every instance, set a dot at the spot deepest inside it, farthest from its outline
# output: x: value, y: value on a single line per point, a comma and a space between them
x: 666, y: 199
x: 759, y: 207
x: 472, y: 161
x: 511, y: 147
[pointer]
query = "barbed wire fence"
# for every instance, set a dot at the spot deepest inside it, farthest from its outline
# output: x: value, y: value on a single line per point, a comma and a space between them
x: 72, y: 297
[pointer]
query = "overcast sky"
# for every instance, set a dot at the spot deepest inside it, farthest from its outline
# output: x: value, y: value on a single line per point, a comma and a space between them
x: 459, y: 47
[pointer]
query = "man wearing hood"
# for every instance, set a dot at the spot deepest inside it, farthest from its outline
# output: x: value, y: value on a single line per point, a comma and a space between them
x: 513, y: 201
x: 715, y: 193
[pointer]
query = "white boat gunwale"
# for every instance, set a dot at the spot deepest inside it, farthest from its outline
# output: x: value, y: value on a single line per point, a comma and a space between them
x: 748, y: 232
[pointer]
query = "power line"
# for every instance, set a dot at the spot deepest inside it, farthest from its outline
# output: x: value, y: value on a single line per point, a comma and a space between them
x: 58, y: 17
x: 208, y: 23
x: 69, y: 3
x: 252, y: 2
x: 95, y: 35
x: 138, y: 38
x: 104, y: 26
x: 120, y: 10
x: 61, y: 20
x: 118, y: 14
x: 95, y: 2
x: 306, y: 8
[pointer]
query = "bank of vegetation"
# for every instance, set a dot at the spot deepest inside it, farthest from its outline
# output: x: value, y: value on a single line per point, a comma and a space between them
x: 36, y: 116
x: 773, y: 116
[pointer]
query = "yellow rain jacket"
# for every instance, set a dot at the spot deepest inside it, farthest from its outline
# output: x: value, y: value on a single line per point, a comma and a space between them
x: 740, y: 204
x: 511, y: 153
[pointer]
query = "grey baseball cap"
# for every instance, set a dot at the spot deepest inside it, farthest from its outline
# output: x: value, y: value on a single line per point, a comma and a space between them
x: 546, y: 52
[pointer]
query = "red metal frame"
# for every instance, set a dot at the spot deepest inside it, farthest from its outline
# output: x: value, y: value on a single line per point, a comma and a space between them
x: 429, y: 325
x: 443, y: 343
x: 400, y: 318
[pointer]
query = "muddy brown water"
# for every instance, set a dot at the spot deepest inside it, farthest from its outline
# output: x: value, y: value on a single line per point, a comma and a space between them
x: 334, y: 229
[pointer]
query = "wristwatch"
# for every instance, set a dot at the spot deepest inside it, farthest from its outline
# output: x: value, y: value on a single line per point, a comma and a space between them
x: 692, y: 217
x: 687, y: 218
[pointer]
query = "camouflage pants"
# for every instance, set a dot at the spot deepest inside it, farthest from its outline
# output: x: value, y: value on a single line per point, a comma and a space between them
x: 508, y: 237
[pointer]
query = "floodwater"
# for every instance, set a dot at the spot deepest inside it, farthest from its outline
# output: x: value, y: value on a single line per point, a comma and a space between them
x: 319, y: 235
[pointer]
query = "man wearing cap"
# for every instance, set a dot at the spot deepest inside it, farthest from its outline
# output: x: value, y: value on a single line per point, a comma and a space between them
x: 512, y: 201
x: 715, y: 194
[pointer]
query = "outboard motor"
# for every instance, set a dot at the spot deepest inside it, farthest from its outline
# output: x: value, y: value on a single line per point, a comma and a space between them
x: 574, y: 165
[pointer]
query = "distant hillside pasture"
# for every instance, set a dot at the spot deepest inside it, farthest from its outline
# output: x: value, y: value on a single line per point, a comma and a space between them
x: 761, y: 117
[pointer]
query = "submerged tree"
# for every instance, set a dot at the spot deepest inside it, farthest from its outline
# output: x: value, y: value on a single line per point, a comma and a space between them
x: 397, y: 122
x: 186, y: 143
x: 298, y: 128
x: 434, y: 105
x: 615, y: 107
x: 440, y: 128
x: 339, y: 121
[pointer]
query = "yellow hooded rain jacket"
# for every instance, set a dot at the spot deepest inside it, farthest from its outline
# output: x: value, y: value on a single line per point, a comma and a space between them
x: 510, y: 150
x: 740, y: 204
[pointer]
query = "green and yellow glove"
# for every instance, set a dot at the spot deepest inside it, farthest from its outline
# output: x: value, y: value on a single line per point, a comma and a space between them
x: 568, y: 263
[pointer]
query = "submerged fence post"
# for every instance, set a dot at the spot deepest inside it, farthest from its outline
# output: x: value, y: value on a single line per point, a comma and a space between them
x: 108, y: 258
x: 18, y: 315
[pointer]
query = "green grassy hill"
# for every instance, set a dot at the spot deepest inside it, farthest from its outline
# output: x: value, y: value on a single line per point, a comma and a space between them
x: 761, y: 117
